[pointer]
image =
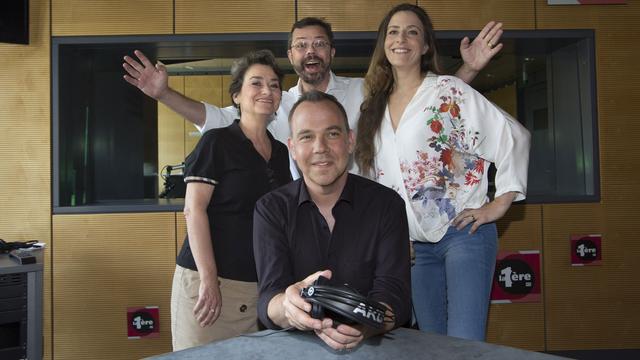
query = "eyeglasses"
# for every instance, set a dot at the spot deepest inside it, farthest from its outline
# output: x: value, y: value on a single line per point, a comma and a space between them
x: 303, y: 45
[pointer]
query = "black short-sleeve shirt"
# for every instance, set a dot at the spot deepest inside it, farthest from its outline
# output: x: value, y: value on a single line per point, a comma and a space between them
x: 226, y: 159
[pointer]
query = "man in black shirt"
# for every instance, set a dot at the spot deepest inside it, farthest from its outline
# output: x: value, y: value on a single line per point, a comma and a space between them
x: 329, y: 223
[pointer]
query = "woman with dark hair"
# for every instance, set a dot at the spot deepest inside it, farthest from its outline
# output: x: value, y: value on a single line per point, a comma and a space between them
x: 215, y: 278
x: 432, y: 138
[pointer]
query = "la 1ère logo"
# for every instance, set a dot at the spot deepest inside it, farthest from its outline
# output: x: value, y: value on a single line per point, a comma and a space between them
x: 517, y: 277
x: 142, y: 322
x: 586, y: 250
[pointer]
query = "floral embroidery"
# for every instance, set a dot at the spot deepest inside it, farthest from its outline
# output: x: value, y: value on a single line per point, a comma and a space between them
x: 436, y: 175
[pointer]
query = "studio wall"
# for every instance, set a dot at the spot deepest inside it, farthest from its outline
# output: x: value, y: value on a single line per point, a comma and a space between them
x: 581, y: 308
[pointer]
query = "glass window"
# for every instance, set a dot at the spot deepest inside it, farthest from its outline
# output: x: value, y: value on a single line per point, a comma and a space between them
x: 106, y: 131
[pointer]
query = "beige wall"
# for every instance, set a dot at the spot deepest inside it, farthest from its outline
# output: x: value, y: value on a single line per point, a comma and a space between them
x: 607, y: 296
x: 25, y: 142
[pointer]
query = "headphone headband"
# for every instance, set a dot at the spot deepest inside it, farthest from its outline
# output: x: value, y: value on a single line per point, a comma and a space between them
x: 344, y: 304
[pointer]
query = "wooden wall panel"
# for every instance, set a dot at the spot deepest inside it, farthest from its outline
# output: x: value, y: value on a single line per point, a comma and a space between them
x: 233, y: 16
x: 519, y: 325
x: 171, y: 128
x: 105, y: 263
x: 202, y: 88
x: 599, y: 307
x: 506, y: 98
x: 473, y: 15
x: 353, y: 15
x: 226, y: 98
x: 111, y: 17
x: 25, y: 210
x: 289, y: 81
x: 521, y: 228
x: 580, y: 302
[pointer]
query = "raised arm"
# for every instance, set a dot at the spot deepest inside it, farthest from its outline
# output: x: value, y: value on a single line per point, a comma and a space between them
x: 477, y: 53
x: 152, y: 81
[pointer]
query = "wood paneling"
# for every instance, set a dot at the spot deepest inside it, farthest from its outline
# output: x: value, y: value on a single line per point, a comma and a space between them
x: 206, y: 88
x: 576, y: 297
x: 598, y: 307
x: 506, y: 98
x: 171, y: 127
x: 592, y: 307
x: 473, y: 15
x: 233, y: 16
x: 103, y: 264
x: 521, y: 228
x: 587, y: 307
x: 519, y: 325
x: 289, y: 81
x: 353, y: 15
x: 25, y: 211
x: 226, y: 98
x: 111, y: 17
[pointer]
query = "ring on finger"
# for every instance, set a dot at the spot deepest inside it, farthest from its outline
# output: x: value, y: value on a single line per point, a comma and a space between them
x: 473, y: 218
x: 490, y: 44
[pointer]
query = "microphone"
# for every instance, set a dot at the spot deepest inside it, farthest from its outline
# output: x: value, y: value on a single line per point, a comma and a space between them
x: 170, y: 168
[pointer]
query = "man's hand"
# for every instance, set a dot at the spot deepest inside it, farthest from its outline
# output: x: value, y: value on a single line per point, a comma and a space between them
x: 345, y: 337
x: 341, y: 337
x: 488, y: 213
x: 150, y: 79
x: 290, y: 309
x: 209, y: 305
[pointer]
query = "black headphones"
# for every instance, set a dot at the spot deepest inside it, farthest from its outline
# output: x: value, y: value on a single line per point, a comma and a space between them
x: 343, y: 305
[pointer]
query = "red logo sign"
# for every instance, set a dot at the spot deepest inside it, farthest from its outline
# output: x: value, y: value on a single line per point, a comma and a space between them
x: 586, y: 250
x: 517, y: 277
x: 143, y: 322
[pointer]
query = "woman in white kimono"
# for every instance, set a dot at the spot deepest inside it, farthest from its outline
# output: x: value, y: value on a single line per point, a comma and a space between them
x: 432, y: 138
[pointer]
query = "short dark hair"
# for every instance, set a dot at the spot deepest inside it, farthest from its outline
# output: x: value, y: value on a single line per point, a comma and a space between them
x: 315, y: 96
x: 240, y: 66
x: 311, y: 21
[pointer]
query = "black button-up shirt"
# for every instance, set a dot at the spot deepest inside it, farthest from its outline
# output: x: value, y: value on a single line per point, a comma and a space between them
x: 368, y: 248
x: 227, y: 159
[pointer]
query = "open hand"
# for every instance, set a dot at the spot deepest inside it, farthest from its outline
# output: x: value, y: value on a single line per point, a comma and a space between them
x: 151, y: 80
x: 477, y: 53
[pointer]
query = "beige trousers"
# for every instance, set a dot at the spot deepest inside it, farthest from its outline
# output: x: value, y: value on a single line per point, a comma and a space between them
x: 239, y: 314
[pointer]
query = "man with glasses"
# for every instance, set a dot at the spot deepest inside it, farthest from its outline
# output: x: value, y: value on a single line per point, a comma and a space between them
x: 310, y: 53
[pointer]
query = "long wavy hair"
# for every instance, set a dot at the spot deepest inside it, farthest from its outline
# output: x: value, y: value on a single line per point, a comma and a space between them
x: 379, y: 84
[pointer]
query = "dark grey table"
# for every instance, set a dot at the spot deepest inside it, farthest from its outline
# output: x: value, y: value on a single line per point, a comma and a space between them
x: 399, y: 344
